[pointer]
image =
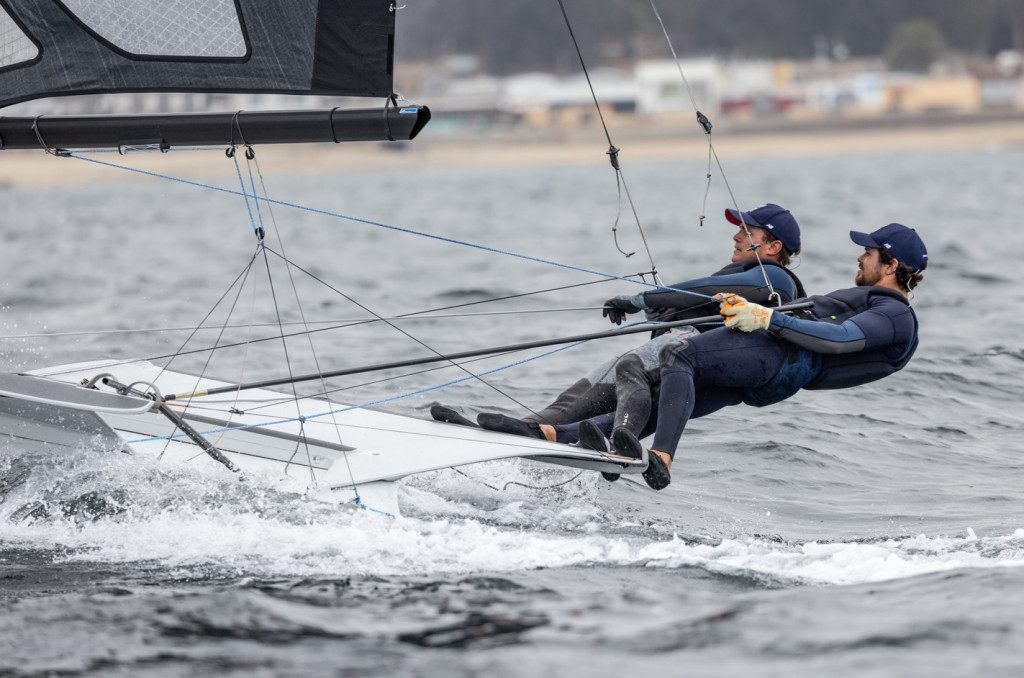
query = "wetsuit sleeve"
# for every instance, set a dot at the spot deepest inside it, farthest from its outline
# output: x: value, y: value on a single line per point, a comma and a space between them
x: 885, y: 323
x: 749, y: 284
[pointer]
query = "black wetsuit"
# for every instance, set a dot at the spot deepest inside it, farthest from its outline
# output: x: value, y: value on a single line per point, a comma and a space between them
x: 629, y: 378
x: 850, y: 337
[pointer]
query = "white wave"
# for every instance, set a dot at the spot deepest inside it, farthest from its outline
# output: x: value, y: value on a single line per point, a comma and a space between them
x: 310, y: 541
x: 463, y: 523
x: 841, y: 563
x: 358, y: 543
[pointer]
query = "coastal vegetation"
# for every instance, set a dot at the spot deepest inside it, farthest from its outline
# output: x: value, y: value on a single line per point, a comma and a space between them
x: 530, y: 35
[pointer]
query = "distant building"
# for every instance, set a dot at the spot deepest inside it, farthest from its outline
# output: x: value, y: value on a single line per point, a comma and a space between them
x: 661, y: 88
x: 922, y: 94
x: 546, y: 99
x: 1002, y: 92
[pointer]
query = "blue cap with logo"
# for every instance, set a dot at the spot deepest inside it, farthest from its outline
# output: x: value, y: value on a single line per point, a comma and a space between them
x: 901, y: 242
x: 775, y: 219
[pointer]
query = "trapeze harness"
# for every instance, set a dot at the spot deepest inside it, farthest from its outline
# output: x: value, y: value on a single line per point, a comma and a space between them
x: 815, y: 364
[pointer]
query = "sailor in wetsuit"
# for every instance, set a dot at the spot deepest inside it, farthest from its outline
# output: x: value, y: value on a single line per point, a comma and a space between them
x: 850, y: 337
x: 762, y: 246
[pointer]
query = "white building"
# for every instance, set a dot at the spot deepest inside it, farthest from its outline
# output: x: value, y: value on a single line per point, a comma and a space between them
x: 662, y: 89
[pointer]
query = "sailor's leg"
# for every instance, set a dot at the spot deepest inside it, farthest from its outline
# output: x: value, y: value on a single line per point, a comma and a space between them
x: 574, y: 407
x: 581, y: 400
x: 633, y: 387
x: 599, y: 399
x: 637, y: 380
x: 596, y: 393
x: 555, y: 412
x: 709, y: 372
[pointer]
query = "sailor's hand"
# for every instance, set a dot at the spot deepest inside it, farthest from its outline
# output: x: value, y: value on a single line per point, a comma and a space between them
x: 742, y: 314
x: 727, y: 301
x: 616, y: 308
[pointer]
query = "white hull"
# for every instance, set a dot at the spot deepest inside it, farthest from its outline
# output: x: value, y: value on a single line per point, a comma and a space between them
x: 315, y: 440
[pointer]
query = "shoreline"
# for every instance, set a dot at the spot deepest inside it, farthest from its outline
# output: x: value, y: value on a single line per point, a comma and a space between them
x: 637, y: 143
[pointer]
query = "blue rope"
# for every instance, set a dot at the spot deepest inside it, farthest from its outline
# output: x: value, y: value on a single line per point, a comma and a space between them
x: 256, y: 229
x: 400, y: 229
x: 252, y: 186
x: 359, y: 504
x: 243, y: 193
x: 259, y: 211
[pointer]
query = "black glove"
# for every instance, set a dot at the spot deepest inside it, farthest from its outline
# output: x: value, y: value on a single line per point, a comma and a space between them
x: 616, y: 308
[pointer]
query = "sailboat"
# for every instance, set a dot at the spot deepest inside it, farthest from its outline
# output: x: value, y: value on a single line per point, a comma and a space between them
x: 339, y: 48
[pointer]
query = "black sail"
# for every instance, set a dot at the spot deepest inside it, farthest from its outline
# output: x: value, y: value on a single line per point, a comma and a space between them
x: 304, y: 47
x: 64, y: 47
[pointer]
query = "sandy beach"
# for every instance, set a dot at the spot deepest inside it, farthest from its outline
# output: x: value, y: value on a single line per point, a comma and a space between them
x: 637, y: 143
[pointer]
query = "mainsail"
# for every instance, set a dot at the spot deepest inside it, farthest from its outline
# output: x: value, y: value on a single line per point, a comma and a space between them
x: 340, y: 47
x: 305, y: 47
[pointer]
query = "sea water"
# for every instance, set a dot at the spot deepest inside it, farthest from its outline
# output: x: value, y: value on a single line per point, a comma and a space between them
x: 874, y: 531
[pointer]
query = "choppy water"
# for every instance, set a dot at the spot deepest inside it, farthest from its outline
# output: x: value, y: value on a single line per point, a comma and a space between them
x: 875, y: 531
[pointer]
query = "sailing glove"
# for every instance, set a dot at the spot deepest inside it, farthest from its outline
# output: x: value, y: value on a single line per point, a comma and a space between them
x: 616, y: 308
x: 742, y: 314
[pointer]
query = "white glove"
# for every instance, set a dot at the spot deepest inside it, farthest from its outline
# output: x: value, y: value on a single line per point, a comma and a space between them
x: 744, y: 315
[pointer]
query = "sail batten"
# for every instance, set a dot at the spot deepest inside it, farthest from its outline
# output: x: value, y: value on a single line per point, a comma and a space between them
x: 70, y: 47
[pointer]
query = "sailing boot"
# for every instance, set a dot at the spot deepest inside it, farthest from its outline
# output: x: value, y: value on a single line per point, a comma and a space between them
x: 499, y: 422
x: 449, y: 415
x: 591, y: 438
x: 657, y: 475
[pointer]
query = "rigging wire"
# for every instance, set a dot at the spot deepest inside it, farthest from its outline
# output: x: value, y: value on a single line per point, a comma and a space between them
x: 364, y: 405
x: 329, y: 391
x: 386, y: 320
x: 266, y: 250
x: 391, y: 227
x: 337, y: 323
x: 613, y: 156
x: 706, y: 126
x: 255, y: 197
x: 288, y: 364
x: 239, y: 281
x: 408, y: 335
x: 341, y: 323
x: 251, y: 157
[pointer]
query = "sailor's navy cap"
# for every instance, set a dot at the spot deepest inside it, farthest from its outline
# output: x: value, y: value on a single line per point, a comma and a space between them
x: 901, y: 242
x: 773, y: 218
